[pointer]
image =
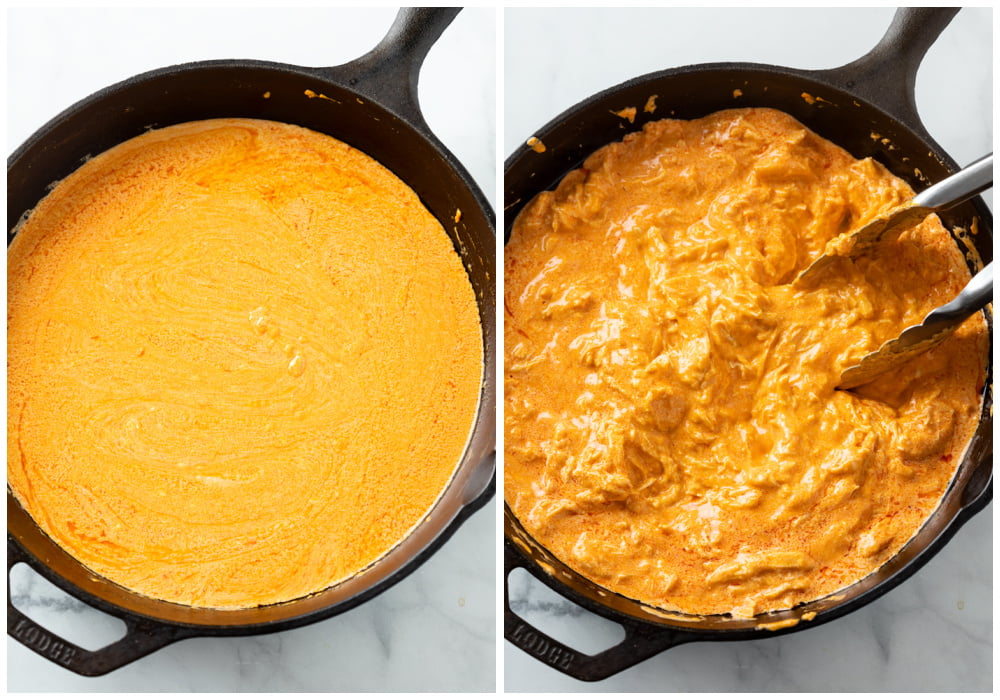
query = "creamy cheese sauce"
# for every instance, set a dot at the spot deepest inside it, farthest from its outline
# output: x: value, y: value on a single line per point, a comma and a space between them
x: 672, y: 429
x: 243, y: 363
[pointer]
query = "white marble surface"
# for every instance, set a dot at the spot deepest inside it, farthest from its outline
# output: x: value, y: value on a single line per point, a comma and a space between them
x: 934, y: 632
x: 436, y: 629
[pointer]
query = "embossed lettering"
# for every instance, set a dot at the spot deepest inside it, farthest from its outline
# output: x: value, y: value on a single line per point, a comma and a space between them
x: 33, y: 636
x: 548, y: 650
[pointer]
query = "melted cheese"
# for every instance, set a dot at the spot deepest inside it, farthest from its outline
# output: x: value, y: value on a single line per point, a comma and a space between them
x: 243, y: 363
x: 671, y: 425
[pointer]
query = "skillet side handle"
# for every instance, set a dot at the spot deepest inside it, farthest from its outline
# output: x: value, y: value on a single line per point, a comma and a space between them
x: 141, y: 637
x: 389, y: 73
x: 887, y: 75
x: 640, y: 643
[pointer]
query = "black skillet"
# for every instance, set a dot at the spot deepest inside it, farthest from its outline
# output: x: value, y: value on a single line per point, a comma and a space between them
x: 874, y: 94
x: 371, y: 104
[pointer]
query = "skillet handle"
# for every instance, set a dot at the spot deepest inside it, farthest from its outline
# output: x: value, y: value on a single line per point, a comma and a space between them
x: 141, y: 637
x: 887, y: 75
x: 389, y: 73
x: 640, y: 643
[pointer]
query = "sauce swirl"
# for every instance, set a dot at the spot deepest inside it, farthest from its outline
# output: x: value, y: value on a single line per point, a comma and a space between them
x: 243, y: 362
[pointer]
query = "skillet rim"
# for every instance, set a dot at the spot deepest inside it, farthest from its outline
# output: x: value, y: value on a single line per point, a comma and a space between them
x: 814, y: 79
x: 477, y: 485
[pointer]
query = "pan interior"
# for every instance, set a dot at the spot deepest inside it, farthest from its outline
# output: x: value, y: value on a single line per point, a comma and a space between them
x: 862, y: 130
x: 303, y: 97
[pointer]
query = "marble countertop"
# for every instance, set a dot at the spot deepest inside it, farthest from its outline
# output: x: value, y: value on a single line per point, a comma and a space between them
x: 933, y: 632
x: 435, y: 630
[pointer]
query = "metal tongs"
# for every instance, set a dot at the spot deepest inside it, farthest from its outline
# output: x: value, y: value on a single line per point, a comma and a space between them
x: 953, y: 190
x: 937, y: 326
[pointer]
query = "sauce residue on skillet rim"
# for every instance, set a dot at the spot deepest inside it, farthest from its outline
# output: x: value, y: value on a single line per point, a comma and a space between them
x: 672, y: 429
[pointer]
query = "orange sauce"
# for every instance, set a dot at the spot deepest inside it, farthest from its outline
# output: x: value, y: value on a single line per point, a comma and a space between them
x: 672, y: 429
x: 243, y: 363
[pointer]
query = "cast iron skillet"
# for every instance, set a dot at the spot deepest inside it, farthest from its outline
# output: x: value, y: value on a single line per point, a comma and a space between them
x: 371, y: 104
x: 874, y: 94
